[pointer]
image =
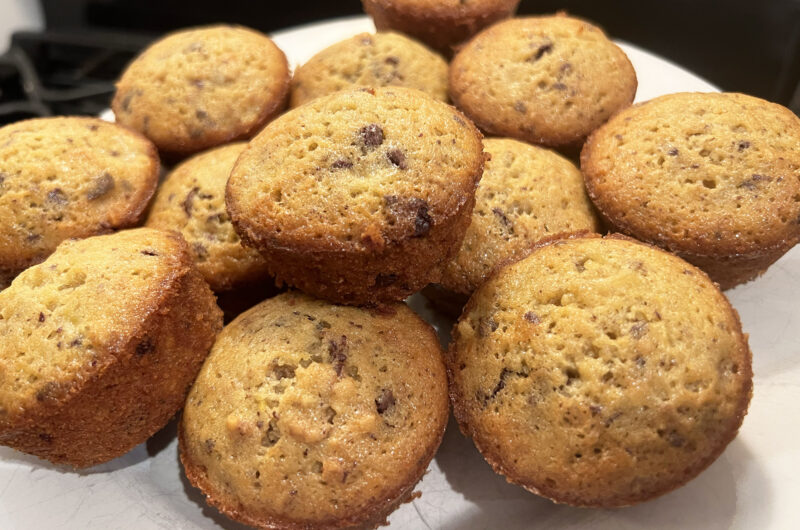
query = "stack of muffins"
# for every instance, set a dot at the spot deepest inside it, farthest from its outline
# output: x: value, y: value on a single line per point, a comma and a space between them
x: 595, y: 371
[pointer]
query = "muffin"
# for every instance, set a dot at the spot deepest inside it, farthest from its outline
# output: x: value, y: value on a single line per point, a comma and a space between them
x: 329, y: 422
x: 82, y: 383
x: 203, y: 87
x: 382, y: 59
x: 545, y: 80
x: 622, y: 365
x: 714, y: 178
x: 191, y: 200
x: 68, y: 177
x: 526, y: 193
x: 441, y: 24
x: 360, y: 196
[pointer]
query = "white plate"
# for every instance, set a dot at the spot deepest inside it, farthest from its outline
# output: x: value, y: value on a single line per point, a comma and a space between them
x: 753, y: 485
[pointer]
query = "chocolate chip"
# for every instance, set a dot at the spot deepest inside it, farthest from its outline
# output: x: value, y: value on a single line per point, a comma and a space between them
x: 272, y: 435
x: 532, y: 317
x: 33, y: 237
x: 2, y: 178
x: 397, y: 158
x: 76, y: 342
x: 675, y: 439
x: 126, y: 101
x: 743, y: 144
x: 101, y: 186
x: 458, y: 120
x: 282, y: 371
x: 423, y: 221
x: 543, y: 49
x: 559, y: 86
x: 385, y: 280
x: 48, y: 438
x: 200, y: 251
x: 595, y: 409
x: 371, y: 135
x: 144, y: 347
x: 673, y: 152
x: 199, y: 83
x: 520, y: 107
x: 638, y: 330
x: 189, y: 200
x: 392, y: 60
x: 337, y: 352
x: 49, y: 390
x: 506, y: 222
x: 564, y: 69
x: 502, y: 383
x: 41, y: 317
x: 93, y: 127
x: 57, y: 197
x: 611, y: 419
x: 342, y: 163
x: 148, y: 252
x: 201, y: 115
x: 385, y: 401
x: 753, y: 181
x: 486, y: 325
x: 209, y: 443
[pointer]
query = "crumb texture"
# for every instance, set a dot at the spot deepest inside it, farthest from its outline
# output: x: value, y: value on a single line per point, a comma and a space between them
x: 68, y: 177
x: 202, y: 87
x: 307, y: 413
x: 526, y: 193
x: 622, y: 365
x: 545, y: 80
x: 382, y: 59
x: 192, y: 200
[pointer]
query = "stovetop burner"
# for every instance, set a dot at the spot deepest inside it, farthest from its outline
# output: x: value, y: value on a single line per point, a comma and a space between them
x: 58, y: 73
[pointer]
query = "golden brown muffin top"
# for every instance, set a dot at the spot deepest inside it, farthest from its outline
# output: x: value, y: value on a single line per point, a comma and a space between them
x: 547, y: 80
x: 381, y: 59
x: 600, y: 372
x: 447, y: 9
x: 306, y: 413
x: 526, y: 193
x: 711, y: 174
x: 192, y: 201
x: 69, y: 177
x: 66, y: 320
x: 202, y: 87
x: 355, y: 170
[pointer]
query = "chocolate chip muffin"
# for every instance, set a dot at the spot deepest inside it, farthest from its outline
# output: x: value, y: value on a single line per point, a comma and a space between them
x: 192, y: 201
x: 99, y: 344
x: 382, y: 59
x: 526, y: 193
x: 545, y: 80
x: 68, y: 177
x: 599, y: 371
x: 712, y: 177
x: 329, y: 423
x: 360, y: 196
x: 203, y: 87
x: 441, y: 24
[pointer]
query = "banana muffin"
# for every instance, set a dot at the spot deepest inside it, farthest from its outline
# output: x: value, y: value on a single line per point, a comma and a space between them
x: 546, y: 80
x: 382, y: 59
x: 203, y: 87
x: 526, y: 193
x: 360, y: 196
x: 99, y: 345
x: 712, y: 177
x: 311, y: 415
x: 599, y: 371
x: 68, y: 177
x: 441, y: 24
x: 192, y: 201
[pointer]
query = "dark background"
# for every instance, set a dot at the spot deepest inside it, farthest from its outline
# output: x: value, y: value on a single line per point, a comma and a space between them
x: 738, y: 45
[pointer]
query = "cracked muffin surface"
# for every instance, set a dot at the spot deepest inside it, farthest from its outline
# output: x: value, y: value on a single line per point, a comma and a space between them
x: 360, y: 196
x: 599, y: 371
x: 68, y: 177
x: 310, y: 414
x: 714, y: 177
x: 202, y: 87
x: 381, y: 59
x: 545, y: 80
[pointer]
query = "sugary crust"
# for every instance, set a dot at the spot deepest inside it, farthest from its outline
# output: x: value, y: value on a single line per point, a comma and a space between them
x: 150, y: 99
x: 544, y: 80
x: 501, y: 463
x: 729, y: 204
x: 362, y: 258
x: 19, y: 249
x: 139, y: 386
x: 441, y: 25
